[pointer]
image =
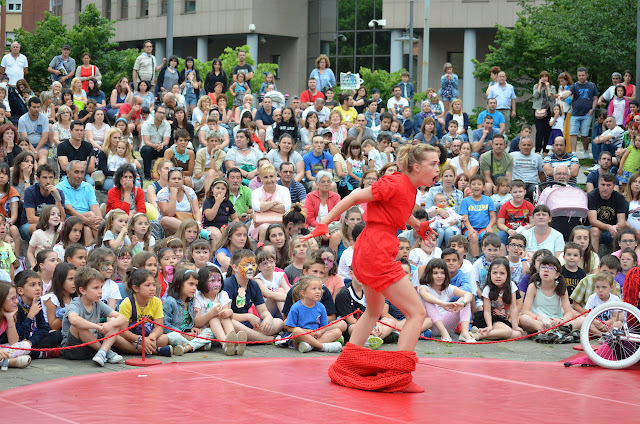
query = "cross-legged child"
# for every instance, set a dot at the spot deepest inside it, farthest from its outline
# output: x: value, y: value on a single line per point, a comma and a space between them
x: 308, y: 313
x: 82, y: 324
x: 490, y: 250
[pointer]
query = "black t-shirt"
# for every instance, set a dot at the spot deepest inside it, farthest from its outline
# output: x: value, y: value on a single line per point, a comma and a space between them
x: 84, y: 113
x: 224, y: 211
x: 572, y: 278
x: 607, y: 210
x: 347, y: 301
x: 83, y: 153
x: 326, y: 300
x: 246, y: 68
x: 253, y: 295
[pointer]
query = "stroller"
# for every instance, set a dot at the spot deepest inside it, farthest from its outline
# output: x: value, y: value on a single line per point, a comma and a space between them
x: 568, y: 205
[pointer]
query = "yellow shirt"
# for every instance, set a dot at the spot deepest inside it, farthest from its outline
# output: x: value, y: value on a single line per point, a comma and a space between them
x: 152, y: 311
x: 347, y: 115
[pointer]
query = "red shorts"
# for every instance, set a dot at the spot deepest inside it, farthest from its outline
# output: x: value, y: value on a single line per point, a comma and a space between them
x: 374, y: 257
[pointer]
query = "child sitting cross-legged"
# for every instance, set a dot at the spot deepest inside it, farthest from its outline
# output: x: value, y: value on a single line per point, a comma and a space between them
x: 81, y: 323
x: 213, y: 310
x: 307, y: 314
x: 244, y: 292
x: 143, y: 303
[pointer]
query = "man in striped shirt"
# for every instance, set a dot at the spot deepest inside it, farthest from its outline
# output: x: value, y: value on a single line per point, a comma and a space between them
x: 296, y: 189
x: 561, y: 157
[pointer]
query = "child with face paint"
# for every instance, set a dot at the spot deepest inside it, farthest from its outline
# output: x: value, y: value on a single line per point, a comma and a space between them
x: 244, y: 293
x: 213, y: 309
x: 330, y: 279
x: 298, y: 249
x: 166, y: 261
x: 274, y: 284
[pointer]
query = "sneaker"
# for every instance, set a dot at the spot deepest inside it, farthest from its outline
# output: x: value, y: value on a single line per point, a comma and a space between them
x: 178, y: 350
x: 373, y: 342
x: 334, y: 347
x: 5, y: 364
x: 207, y: 346
x: 165, y: 351
x: 22, y: 361
x: 279, y: 339
x: 48, y: 354
x: 593, y: 168
x: 341, y: 341
x: 114, y: 358
x: 305, y: 347
x: 230, y: 348
x: 240, y: 347
x: 100, y: 358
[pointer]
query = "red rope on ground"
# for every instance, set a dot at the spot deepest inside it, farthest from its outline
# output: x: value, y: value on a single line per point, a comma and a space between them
x: 73, y: 347
x: 260, y: 342
x: 494, y: 341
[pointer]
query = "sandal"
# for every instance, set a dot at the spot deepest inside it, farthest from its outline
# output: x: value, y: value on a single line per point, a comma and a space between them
x: 230, y: 348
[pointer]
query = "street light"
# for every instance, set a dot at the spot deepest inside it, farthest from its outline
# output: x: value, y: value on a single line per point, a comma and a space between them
x: 372, y: 24
x: 342, y: 38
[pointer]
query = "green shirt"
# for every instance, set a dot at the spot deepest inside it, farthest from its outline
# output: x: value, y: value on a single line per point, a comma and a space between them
x: 500, y: 167
x: 243, y: 201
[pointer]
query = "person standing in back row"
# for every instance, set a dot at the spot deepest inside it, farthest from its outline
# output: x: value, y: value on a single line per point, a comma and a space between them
x: 505, y: 95
x: 146, y: 66
x: 585, y: 101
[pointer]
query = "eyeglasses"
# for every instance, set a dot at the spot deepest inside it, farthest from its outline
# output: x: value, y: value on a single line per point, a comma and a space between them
x: 371, y: 179
x: 516, y: 245
x: 547, y: 268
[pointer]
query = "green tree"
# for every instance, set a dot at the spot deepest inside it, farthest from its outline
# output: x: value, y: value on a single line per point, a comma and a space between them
x: 229, y: 60
x: 91, y: 34
x: 561, y: 35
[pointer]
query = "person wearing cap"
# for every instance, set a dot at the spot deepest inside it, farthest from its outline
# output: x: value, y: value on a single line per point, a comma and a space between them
x: 63, y: 67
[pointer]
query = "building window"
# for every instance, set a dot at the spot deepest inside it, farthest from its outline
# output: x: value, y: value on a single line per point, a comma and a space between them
x: 56, y: 8
x: 8, y: 38
x: 163, y: 8
x: 106, y: 9
x: 457, y: 60
x: 189, y: 6
x: 124, y: 9
x: 144, y: 8
x: 14, y: 6
x: 276, y: 59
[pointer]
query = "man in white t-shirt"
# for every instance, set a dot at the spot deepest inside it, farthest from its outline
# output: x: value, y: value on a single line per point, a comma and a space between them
x: 397, y: 102
x: 610, y: 93
x: 14, y: 64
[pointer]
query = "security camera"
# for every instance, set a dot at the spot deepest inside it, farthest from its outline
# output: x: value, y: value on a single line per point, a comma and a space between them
x: 371, y: 24
x: 252, y: 27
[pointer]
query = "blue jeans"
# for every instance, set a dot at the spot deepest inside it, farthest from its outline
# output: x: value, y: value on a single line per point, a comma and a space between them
x: 596, y: 149
x: 24, y: 232
x: 444, y: 234
x: 504, y: 237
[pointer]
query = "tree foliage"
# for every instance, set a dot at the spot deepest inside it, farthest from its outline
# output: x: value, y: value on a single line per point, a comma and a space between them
x: 91, y: 34
x: 561, y: 35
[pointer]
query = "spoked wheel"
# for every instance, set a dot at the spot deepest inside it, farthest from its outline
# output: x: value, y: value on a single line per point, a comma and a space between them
x: 610, y: 335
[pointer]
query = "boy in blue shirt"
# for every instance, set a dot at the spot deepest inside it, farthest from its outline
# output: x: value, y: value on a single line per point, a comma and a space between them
x: 478, y: 214
x: 317, y: 159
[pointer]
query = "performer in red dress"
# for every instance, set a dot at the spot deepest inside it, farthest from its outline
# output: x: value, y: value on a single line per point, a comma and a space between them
x: 390, y: 202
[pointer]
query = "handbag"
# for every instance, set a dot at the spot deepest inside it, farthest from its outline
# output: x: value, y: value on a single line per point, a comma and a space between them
x: 541, y: 113
x: 268, y: 217
x: 184, y: 215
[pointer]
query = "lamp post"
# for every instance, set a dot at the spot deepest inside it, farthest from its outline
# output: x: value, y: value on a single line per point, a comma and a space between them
x: 372, y: 24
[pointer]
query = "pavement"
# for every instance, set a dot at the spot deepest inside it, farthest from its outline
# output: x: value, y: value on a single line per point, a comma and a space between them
x: 521, y: 350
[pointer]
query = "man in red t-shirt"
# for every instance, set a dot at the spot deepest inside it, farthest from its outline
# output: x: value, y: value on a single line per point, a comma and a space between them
x: 515, y: 215
x: 132, y: 113
x: 307, y: 97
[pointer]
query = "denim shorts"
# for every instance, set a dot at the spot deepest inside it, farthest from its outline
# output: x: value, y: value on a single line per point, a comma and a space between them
x: 580, y: 125
x: 624, y: 178
x: 190, y: 99
x: 448, y: 99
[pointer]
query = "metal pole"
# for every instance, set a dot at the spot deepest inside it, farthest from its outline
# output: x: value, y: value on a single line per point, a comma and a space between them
x: 373, y: 63
x: 638, y: 51
x: 425, y: 46
x: 411, y: 40
x: 169, y: 46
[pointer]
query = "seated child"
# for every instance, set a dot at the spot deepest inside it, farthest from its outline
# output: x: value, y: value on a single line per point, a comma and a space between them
x: 179, y: 314
x: 213, y: 310
x: 604, y: 285
x: 200, y: 254
x: 422, y: 255
x: 586, y: 287
x: 478, y: 214
x: 9, y: 357
x: 308, y: 313
x: 498, y: 319
x: 461, y: 245
x: 445, y: 227
x: 458, y: 278
x: 490, y: 249
x: 245, y: 292
x: 143, y: 303
x: 514, y: 216
x: 31, y: 323
x: 273, y: 284
x: 503, y: 195
x: 628, y: 260
x: 76, y: 255
x: 81, y: 323
x: 571, y: 270
x: 517, y: 256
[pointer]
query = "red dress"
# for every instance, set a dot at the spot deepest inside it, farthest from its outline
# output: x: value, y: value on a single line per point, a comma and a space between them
x: 87, y: 73
x: 374, y: 257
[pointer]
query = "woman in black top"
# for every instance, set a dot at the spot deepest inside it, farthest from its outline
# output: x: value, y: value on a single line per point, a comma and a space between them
x: 217, y: 74
x: 180, y: 122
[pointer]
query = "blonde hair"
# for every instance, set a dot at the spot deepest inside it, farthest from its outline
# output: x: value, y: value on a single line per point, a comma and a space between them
x: 412, y: 154
x: 73, y: 83
x: 247, y: 97
x: 128, y: 152
x: 64, y: 108
x: 452, y: 103
x: 267, y: 167
x: 106, y: 146
x: 111, y: 216
x: 202, y: 100
x: 303, y: 284
x: 130, y: 230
